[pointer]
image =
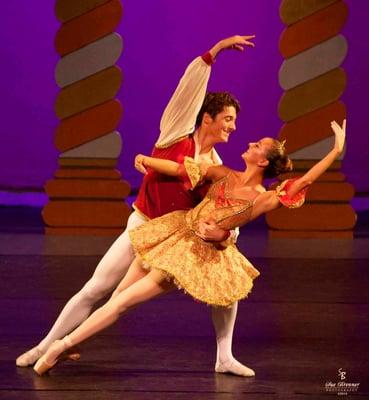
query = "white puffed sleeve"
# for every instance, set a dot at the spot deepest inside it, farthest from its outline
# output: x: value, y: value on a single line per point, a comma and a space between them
x: 179, y: 117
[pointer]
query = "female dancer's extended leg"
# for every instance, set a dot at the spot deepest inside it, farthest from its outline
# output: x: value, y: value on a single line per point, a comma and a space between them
x: 146, y: 288
x: 134, y: 274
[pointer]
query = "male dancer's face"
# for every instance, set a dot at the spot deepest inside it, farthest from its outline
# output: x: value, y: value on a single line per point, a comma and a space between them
x: 223, y: 124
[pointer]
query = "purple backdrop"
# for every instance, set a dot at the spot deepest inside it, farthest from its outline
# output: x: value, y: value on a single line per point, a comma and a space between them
x: 160, y: 39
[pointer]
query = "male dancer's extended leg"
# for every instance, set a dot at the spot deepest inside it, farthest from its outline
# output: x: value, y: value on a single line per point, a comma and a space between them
x: 107, y: 275
x: 223, y: 321
x: 152, y: 285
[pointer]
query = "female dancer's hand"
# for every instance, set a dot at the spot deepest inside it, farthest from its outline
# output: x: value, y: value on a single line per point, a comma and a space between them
x: 236, y: 42
x: 321, y: 166
x: 139, y: 163
x: 340, y: 135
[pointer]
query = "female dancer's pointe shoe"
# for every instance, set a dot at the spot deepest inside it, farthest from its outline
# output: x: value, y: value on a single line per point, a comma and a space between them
x: 47, y: 361
x: 43, y: 366
x: 234, y: 367
x: 29, y: 357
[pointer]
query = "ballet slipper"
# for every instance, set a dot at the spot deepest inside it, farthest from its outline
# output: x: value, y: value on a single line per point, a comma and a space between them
x: 29, y: 357
x: 60, y: 349
x: 234, y: 367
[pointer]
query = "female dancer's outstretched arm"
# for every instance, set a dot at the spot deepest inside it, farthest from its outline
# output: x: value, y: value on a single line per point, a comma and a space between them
x: 314, y: 172
x: 173, y: 168
x: 217, y: 172
x: 320, y: 167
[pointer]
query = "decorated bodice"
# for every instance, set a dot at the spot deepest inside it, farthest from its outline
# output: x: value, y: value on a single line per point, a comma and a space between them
x: 219, y: 205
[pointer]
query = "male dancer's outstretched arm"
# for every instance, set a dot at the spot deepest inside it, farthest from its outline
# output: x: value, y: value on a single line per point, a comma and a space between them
x: 116, y: 261
x: 179, y: 117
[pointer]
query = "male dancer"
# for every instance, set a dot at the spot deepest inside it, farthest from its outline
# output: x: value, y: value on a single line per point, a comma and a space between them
x: 214, y: 115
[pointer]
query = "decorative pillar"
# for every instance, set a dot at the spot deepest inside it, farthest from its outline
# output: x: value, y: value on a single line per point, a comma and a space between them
x: 313, y: 82
x: 86, y: 196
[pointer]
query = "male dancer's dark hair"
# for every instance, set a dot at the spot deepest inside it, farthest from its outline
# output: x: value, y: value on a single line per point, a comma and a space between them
x: 214, y: 103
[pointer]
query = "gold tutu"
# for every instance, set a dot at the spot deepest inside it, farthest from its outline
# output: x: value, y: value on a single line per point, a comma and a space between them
x: 207, y: 271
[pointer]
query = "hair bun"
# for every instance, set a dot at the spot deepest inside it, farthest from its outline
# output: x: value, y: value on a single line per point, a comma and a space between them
x: 279, y: 162
x: 289, y: 165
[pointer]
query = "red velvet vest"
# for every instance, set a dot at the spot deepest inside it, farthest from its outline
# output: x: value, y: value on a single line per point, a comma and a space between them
x: 160, y: 194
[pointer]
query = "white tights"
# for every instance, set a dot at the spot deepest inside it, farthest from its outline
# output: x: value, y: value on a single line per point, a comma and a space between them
x: 137, y: 287
x: 105, y: 279
x: 109, y: 272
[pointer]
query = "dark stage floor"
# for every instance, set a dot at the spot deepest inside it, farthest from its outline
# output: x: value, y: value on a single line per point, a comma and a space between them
x: 305, y: 319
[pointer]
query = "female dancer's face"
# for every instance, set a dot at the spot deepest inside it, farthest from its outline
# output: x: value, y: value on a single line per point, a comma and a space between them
x: 257, y: 151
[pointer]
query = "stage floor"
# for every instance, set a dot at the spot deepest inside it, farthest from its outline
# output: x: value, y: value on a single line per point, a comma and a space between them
x: 120, y: 367
x: 304, y: 320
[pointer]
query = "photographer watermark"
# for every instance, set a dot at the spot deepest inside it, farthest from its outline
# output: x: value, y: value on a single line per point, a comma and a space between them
x: 341, y: 387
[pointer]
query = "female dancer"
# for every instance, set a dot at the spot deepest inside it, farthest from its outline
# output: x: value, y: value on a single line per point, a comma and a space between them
x: 171, y: 245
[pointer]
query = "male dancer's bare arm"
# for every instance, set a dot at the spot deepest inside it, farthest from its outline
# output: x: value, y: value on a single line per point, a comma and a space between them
x: 236, y: 42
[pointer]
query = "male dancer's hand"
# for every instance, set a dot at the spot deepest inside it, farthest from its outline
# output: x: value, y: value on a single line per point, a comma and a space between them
x: 236, y: 42
x: 209, y: 231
